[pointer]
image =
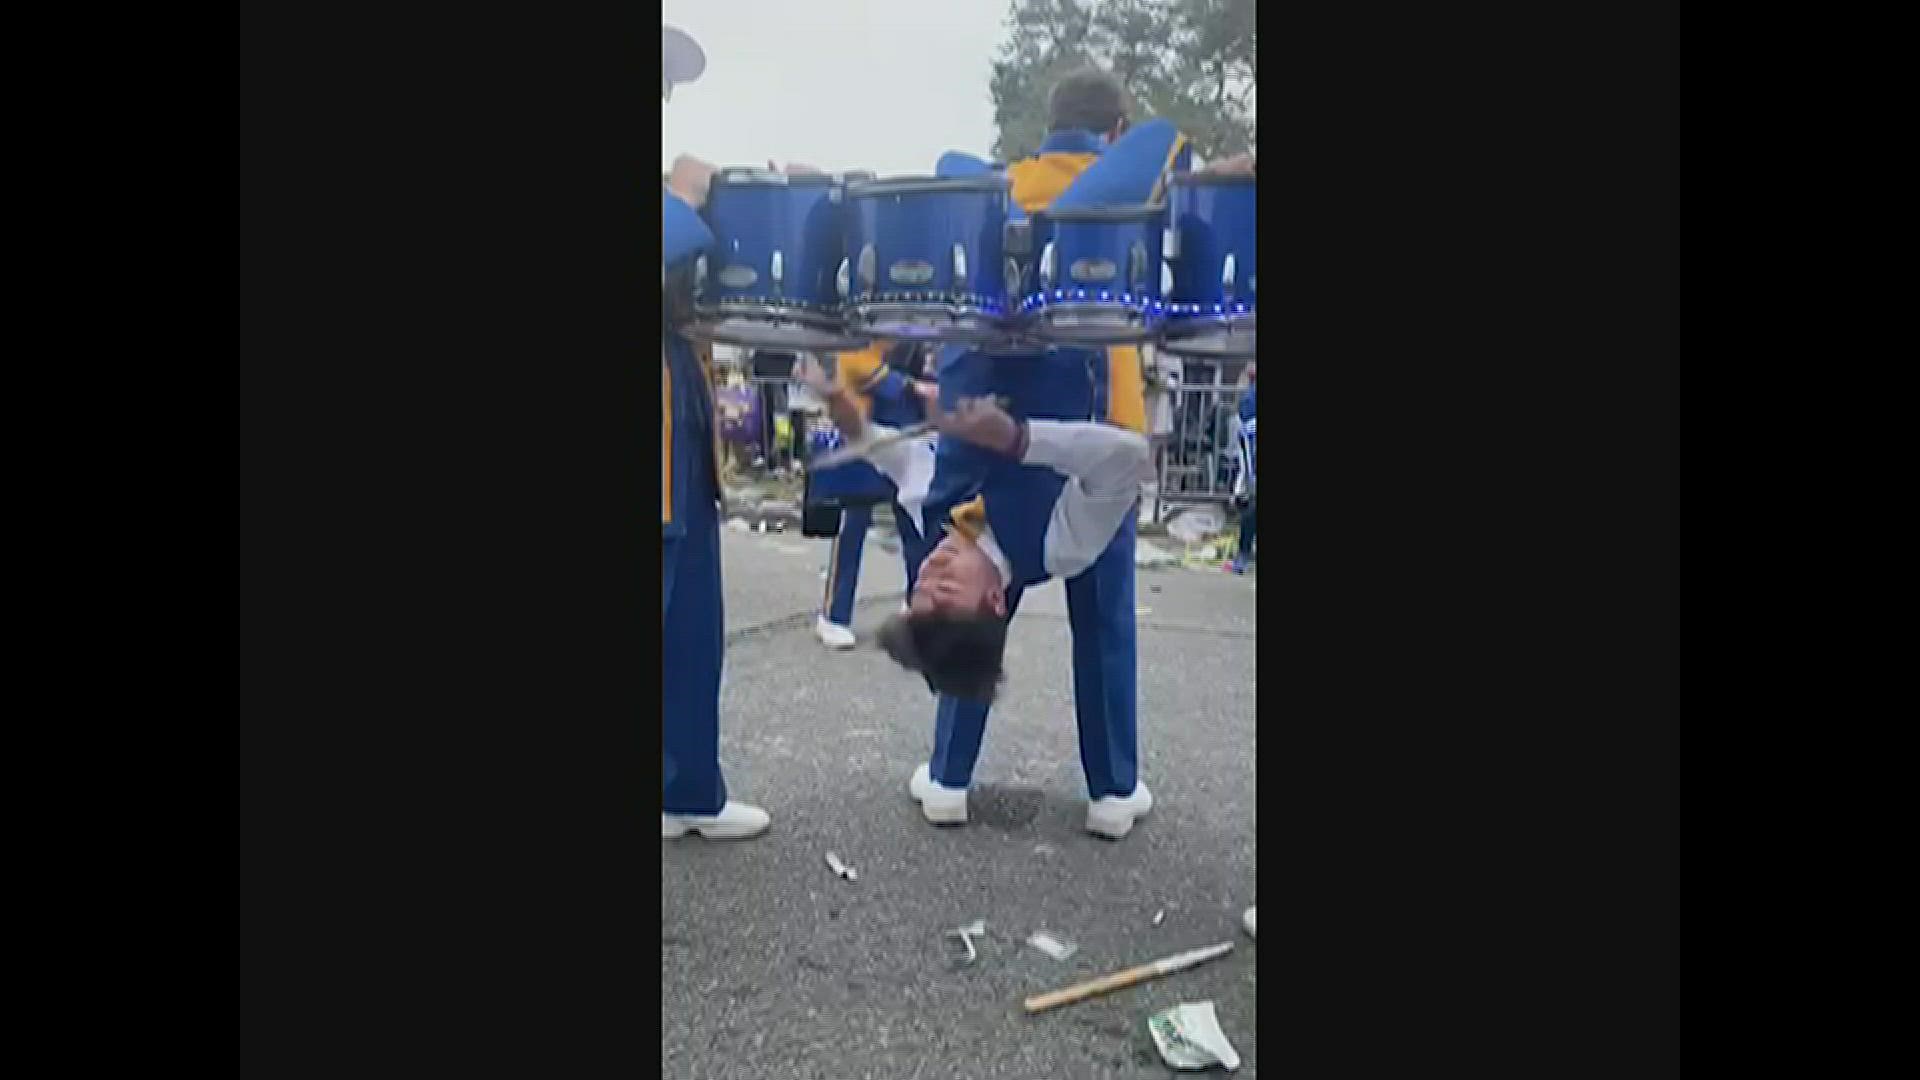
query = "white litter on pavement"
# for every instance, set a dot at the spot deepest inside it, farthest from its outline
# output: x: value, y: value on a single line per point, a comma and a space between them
x: 1052, y: 946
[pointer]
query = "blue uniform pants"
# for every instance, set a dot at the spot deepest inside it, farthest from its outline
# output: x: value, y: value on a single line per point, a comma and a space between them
x: 692, y: 640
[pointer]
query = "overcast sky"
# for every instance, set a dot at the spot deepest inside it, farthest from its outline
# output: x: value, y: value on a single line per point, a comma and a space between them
x: 882, y: 85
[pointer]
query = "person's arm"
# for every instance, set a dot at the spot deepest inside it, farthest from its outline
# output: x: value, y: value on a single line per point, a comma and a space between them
x: 900, y: 383
x: 954, y: 163
x: 1132, y: 171
x: 682, y: 231
x: 1104, y: 466
x: 1102, y: 461
x: 898, y: 461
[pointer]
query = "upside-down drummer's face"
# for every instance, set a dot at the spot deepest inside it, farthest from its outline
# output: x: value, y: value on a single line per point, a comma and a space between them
x: 958, y: 578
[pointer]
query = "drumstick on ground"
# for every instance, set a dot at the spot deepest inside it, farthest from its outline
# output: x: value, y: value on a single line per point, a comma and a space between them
x: 1132, y: 976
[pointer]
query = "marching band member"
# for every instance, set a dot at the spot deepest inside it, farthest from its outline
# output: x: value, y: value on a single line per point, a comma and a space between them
x: 693, y: 794
x: 1245, y: 488
x: 888, y: 384
x: 1091, y: 157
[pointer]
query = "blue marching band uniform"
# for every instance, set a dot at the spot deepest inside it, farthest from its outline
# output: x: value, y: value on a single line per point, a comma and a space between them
x: 880, y: 378
x: 971, y: 489
x: 1072, y: 169
x: 1246, y: 484
x: 692, y: 617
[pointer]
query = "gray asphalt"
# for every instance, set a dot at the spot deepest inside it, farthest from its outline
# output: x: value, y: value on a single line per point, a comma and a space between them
x: 773, y: 967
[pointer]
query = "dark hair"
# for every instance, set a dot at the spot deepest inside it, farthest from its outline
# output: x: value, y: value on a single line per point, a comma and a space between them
x: 959, y: 655
x: 1086, y: 99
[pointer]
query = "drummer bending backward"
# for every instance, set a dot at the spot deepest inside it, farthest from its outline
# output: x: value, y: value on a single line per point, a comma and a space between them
x: 1061, y: 491
x: 1066, y: 490
x: 1092, y: 156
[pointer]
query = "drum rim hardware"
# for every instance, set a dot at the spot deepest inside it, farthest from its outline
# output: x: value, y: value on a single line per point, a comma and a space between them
x: 919, y: 185
x: 1102, y: 214
x: 1191, y: 179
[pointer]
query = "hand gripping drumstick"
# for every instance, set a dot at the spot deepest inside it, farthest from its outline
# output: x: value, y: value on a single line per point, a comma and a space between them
x: 850, y: 453
x: 1133, y: 976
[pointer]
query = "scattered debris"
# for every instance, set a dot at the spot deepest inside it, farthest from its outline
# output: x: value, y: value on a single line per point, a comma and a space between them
x: 1160, y: 916
x: 842, y: 869
x: 1057, y: 948
x: 1195, y: 524
x: 1189, y: 1037
x: 966, y: 934
x: 739, y: 525
x: 1148, y: 555
x: 1132, y: 976
x: 1043, y: 850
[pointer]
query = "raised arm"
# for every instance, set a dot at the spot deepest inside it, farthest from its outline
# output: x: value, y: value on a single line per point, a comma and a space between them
x: 900, y: 462
x: 682, y: 232
x: 1132, y: 171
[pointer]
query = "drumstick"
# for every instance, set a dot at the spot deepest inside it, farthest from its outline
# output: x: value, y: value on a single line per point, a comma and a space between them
x: 850, y: 453
x: 1132, y: 976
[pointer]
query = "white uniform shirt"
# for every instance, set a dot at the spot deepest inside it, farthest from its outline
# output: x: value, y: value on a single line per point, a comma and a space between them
x: 1104, y: 467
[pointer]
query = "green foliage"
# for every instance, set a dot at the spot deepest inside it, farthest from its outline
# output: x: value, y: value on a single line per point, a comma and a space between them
x: 1189, y: 61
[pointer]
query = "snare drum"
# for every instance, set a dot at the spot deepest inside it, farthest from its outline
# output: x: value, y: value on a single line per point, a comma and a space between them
x: 1098, y: 278
x: 770, y: 278
x: 1211, y: 309
x: 927, y: 259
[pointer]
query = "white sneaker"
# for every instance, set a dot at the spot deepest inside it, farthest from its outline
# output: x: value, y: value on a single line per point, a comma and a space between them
x: 1112, y: 816
x: 832, y: 635
x: 1247, y: 921
x: 940, y: 804
x: 735, y: 821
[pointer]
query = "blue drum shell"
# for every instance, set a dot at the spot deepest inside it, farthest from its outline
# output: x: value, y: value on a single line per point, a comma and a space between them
x: 755, y: 214
x: 1213, y: 217
x: 903, y: 275
x: 1210, y: 310
x: 1097, y: 278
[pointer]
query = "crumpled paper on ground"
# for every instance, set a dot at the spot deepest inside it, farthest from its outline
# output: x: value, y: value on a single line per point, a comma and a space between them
x: 1189, y: 1037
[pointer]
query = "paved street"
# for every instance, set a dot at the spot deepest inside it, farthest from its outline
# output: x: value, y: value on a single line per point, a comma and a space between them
x: 773, y: 967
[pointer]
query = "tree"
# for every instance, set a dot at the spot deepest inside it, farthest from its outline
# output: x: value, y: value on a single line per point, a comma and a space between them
x: 1190, y: 61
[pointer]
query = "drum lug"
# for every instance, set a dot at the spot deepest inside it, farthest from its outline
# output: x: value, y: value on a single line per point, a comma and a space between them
x: 700, y: 274
x: 1137, y: 267
x: 843, y: 280
x: 777, y: 271
x: 1226, y: 278
x: 868, y: 269
x: 959, y: 267
x: 1170, y: 243
x: 1046, y: 266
